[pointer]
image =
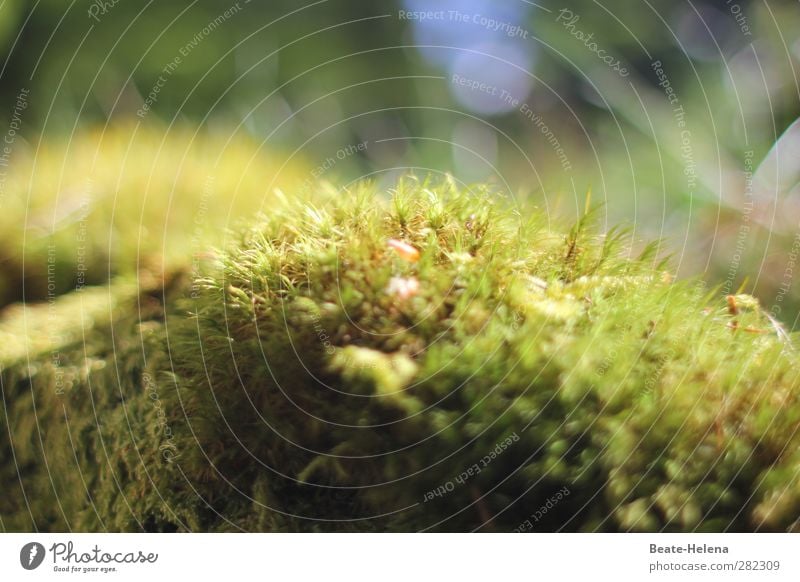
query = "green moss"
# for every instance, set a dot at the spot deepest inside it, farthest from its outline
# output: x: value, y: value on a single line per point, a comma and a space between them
x: 125, y: 201
x: 315, y: 377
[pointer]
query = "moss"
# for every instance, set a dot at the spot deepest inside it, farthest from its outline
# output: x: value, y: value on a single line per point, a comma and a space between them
x: 480, y: 371
x: 132, y: 199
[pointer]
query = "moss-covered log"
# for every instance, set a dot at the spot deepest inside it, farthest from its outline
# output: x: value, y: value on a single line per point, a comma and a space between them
x: 434, y: 361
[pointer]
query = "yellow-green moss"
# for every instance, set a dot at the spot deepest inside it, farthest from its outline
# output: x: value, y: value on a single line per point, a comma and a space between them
x: 312, y: 377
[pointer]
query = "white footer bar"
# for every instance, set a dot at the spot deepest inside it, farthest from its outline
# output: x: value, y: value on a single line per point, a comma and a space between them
x: 401, y: 557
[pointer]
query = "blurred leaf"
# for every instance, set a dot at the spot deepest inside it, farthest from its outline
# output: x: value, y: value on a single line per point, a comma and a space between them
x: 779, y: 172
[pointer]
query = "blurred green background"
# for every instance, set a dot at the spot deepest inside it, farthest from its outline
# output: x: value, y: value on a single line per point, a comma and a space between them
x: 677, y: 115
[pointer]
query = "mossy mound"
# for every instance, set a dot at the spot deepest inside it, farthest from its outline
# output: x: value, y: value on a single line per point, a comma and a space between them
x: 102, y: 204
x: 437, y: 361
